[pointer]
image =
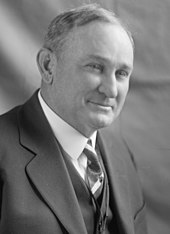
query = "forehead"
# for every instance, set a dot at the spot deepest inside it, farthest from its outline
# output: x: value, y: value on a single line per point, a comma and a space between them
x: 103, y: 40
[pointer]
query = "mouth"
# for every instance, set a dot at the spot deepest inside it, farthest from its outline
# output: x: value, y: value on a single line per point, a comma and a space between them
x: 101, y: 106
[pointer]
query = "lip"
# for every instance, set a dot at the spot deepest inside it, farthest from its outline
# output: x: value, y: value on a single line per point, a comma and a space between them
x: 101, y: 106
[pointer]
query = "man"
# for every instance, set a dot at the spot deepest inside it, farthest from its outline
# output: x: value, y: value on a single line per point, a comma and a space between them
x: 59, y: 172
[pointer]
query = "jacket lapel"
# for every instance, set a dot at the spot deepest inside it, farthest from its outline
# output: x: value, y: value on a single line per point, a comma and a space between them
x: 47, y: 170
x: 113, y: 152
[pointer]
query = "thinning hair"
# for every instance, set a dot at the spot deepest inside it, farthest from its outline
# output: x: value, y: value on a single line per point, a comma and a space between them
x: 61, y: 25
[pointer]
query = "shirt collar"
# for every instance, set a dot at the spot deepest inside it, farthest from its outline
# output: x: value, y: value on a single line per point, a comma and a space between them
x: 72, y: 141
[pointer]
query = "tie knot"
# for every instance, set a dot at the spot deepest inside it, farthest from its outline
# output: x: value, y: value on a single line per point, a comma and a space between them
x: 90, y: 148
x: 92, y: 158
x: 89, y: 142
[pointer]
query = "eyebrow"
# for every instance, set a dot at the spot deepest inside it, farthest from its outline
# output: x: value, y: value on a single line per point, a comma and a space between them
x: 98, y: 57
x: 106, y: 60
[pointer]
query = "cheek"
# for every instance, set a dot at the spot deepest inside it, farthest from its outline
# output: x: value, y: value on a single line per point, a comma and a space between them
x: 123, y: 90
x: 90, y: 80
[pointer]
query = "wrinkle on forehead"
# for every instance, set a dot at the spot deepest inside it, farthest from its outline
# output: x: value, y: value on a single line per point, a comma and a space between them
x: 99, y: 39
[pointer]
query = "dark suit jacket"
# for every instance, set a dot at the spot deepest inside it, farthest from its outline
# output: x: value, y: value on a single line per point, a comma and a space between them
x: 36, y: 194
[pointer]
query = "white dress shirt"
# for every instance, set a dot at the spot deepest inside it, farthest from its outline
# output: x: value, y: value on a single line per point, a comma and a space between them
x: 72, y: 141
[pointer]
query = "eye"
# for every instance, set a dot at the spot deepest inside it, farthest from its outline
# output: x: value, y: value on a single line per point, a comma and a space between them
x: 95, y: 67
x: 122, y: 74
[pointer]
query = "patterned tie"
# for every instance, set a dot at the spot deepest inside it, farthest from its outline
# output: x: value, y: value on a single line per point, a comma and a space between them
x: 94, y: 173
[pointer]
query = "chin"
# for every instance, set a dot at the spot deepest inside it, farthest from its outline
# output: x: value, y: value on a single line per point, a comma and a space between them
x: 103, y: 122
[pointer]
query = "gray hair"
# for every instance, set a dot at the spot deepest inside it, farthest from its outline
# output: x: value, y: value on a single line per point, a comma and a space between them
x: 65, y: 22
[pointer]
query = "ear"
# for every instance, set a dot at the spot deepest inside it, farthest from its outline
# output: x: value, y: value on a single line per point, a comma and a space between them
x: 46, y: 61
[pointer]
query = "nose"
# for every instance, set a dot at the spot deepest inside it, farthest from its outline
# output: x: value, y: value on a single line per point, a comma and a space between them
x: 109, y: 86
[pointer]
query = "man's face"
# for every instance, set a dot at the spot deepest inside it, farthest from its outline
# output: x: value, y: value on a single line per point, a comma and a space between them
x: 92, y: 79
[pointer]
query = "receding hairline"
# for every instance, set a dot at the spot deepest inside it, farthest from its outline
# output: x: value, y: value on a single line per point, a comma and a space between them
x: 69, y: 21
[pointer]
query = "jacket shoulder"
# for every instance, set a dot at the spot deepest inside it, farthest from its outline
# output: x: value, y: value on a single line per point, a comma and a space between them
x: 8, y: 129
x: 8, y: 121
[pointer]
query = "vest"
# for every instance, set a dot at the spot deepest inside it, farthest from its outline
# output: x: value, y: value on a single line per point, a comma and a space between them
x: 97, y: 214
